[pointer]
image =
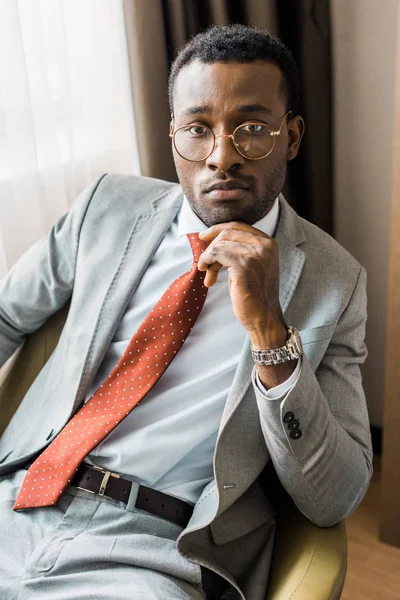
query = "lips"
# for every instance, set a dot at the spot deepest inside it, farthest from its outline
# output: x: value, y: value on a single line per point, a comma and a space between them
x: 230, y: 184
x: 229, y: 190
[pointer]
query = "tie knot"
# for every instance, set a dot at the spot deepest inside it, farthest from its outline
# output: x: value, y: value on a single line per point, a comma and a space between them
x: 198, y: 245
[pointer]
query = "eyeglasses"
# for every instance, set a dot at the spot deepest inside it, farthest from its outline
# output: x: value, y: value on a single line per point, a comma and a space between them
x: 253, y: 140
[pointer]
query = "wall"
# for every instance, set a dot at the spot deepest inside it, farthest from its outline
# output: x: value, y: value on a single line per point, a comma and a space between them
x: 364, y: 52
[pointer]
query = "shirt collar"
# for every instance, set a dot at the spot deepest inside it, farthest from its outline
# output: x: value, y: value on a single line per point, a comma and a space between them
x: 189, y: 222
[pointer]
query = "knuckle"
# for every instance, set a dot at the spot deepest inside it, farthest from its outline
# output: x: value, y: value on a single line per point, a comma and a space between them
x: 230, y: 255
x: 224, y: 233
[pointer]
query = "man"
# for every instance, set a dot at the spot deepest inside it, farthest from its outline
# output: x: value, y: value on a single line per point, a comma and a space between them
x: 222, y: 389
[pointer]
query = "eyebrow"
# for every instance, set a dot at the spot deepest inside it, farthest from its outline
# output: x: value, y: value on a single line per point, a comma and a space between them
x: 248, y: 108
x: 242, y: 108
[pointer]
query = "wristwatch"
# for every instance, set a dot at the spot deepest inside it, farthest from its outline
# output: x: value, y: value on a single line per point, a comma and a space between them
x: 292, y: 350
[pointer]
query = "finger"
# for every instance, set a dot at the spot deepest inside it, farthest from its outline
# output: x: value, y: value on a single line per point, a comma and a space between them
x: 212, y: 275
x: 212, y: 232
x: 236, y: 235
x: 226, y: 253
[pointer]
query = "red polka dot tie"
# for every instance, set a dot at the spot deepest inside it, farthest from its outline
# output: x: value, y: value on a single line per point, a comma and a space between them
x: 148, y: 355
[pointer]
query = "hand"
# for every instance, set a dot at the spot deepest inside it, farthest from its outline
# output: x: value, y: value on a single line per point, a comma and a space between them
x: 252, y: 259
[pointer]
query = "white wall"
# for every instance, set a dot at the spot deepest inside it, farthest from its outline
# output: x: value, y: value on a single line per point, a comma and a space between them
x: 364, y: 52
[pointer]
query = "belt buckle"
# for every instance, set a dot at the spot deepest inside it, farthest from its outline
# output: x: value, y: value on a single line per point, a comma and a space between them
x: 104, y: 482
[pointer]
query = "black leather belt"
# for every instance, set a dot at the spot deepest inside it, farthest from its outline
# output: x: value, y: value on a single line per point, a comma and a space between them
x: 106, y: 483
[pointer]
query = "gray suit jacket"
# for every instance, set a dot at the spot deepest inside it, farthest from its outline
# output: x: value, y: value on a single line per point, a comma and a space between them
x: 95, y: 256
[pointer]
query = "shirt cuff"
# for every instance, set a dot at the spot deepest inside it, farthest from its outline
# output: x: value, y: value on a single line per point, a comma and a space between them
x: 279, y: 391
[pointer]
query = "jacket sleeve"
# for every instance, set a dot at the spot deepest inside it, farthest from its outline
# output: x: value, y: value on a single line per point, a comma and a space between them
x: 41, y: 281
x: 327, y: 468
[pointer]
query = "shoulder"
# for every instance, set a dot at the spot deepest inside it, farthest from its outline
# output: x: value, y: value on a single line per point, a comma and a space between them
x: 136, y: 183
x: 135, y: 191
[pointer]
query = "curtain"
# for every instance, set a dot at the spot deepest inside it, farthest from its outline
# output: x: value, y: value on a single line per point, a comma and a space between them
x: 305, y: 27
x: 66, y: 111
x: 156, y: 29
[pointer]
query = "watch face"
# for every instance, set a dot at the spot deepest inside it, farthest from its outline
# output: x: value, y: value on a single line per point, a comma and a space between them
x: 295, y: 339
x: 298, y: 342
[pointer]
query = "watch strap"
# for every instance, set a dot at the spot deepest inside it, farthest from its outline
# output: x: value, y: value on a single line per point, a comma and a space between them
x: 292, y: 350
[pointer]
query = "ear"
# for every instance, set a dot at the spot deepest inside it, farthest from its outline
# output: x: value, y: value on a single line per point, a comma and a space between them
x: 296, y: 128
x: 171, y: 125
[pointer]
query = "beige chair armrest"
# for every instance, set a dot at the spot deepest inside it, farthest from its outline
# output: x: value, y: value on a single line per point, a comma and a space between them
x: 309, y: 562
x: 26, y: 363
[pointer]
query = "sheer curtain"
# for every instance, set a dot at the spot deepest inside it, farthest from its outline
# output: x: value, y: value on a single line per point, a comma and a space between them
x: 66, y: 111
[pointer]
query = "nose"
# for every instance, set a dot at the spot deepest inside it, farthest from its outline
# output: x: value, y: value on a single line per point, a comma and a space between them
x: 224, y: 156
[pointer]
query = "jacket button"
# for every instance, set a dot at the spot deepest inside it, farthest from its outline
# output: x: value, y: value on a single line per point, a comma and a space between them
x: 288, y: 417
x: 293, y: 425
x: 296, y: 434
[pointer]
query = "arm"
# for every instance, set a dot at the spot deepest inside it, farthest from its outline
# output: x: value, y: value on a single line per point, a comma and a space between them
x: 327, y: 470
x: 42, y: 280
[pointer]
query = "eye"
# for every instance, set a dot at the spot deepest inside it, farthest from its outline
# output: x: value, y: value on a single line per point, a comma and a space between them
x: 197, y: 131
x: 255, y: 129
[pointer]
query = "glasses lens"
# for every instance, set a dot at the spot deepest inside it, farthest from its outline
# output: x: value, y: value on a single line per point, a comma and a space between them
x: 194, y: 143
x: 254, y: 140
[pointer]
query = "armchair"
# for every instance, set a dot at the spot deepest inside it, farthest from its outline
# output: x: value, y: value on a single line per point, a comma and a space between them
x: 309, y: 562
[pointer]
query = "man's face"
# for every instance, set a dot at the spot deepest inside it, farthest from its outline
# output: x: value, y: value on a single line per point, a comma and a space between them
x: 223, y: 96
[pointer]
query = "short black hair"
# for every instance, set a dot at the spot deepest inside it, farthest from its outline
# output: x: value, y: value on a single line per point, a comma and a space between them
x: 225, y: 43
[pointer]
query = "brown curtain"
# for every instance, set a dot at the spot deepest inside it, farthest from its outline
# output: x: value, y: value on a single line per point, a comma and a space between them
x: 156, y: 29
x: 304, y: 26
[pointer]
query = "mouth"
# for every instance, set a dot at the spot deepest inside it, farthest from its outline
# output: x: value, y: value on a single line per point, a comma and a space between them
x: 234, y: 194
x: 227, y: 190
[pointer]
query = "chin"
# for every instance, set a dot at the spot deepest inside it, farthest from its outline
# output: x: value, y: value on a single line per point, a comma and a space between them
x: 219, y: 214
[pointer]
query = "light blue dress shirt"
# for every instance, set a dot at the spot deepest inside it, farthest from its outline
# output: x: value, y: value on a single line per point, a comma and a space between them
x: 168, y: 441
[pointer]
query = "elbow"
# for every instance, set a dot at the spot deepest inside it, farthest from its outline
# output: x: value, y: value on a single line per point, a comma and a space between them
x: 330, y: 516
x: 328, y: 520
x: 342, y: 505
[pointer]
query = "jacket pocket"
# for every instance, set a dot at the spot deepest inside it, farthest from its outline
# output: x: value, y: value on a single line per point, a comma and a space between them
x: 317, y: 334
x: 250, y: 511
x: 315, y: 341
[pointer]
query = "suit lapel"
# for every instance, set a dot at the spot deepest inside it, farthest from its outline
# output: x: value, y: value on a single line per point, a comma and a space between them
x: 142, y: 239
x: 289, y: 236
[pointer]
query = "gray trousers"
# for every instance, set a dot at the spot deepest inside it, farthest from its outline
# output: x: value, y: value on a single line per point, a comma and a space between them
x: 90, y: 547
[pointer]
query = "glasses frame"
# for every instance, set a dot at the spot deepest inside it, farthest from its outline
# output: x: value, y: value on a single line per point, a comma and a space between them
x: 274, y: 133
